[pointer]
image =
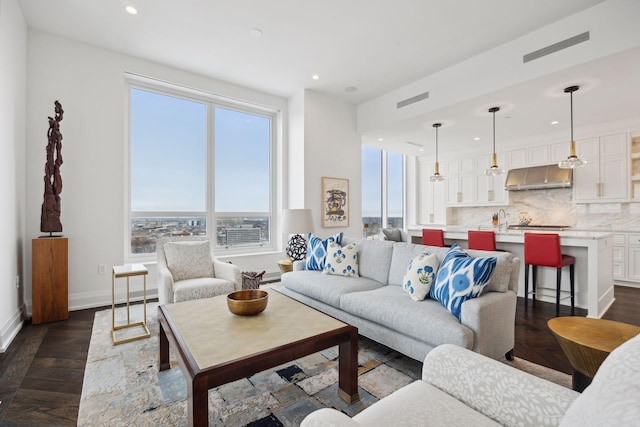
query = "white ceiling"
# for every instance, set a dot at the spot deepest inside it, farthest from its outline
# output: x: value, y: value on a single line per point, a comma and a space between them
x: 375, y: 46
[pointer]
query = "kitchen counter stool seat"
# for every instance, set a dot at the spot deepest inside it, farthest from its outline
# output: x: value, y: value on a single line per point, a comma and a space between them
x: 433, y: 237
x: 543, y: 250
x: 482, y: 240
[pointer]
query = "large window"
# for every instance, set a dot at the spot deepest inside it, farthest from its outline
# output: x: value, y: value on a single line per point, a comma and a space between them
x: 199, y: 166
x: 382, y: 190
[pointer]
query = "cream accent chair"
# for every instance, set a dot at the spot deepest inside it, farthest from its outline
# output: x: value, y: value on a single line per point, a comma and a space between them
x: 187, y: 270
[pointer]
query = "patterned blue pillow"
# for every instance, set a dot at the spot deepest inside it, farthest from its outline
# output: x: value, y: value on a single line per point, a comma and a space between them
x: 420, y: 275
x: 341, y: 260
x: 317, y: 250
x: 460, y: 278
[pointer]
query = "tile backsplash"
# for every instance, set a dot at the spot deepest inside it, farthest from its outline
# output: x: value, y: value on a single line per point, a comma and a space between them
x: 551, y: 207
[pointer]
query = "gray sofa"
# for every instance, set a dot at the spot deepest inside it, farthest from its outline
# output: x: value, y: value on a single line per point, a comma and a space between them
x: 381, y: 310
x: 462, y: 388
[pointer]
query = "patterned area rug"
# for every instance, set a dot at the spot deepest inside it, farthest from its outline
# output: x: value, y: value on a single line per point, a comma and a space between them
x: 122, y: 385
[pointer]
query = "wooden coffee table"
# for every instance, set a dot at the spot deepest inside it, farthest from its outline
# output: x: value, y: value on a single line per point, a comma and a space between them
x: 587, y: 342
x: 214, y: 346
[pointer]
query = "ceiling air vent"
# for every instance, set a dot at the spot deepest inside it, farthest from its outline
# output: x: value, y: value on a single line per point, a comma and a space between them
x: 572, y: 41
x: 412, y: 100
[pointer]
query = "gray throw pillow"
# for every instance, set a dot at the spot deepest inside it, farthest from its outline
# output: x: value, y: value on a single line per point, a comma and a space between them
x: 392, y: 234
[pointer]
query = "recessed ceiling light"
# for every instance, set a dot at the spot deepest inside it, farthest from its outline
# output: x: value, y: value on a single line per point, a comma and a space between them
x: 256, y: 32
x: 422, y: 149
x: 315, y: 77
x: 477, y: 138
x: 350, y: 89
x: 555, y: 122
x: 380, y: 139
x: 131, y: 10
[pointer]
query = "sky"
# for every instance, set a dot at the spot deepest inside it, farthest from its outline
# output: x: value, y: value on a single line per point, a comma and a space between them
x: 169, y: 156
x: 372, y: 183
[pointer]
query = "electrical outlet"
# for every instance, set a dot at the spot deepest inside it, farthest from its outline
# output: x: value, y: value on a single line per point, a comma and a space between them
x: 17, y: 282
x: 101, y: 269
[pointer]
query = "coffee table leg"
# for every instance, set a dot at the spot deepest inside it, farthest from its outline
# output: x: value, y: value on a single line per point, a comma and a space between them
x: 348, y: 370
x: 198, y: 403
x: 164, y: 349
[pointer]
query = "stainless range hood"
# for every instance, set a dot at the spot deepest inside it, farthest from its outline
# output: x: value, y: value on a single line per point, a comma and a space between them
x: 539, y: 177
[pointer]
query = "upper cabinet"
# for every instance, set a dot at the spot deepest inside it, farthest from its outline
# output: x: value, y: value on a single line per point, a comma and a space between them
x: 635, y: 168
x: 467, y: 185
x: 605, y: 177
x: 432, y: 209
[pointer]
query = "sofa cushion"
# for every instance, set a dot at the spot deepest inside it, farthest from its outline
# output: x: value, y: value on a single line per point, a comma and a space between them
x: 204, y: 287
x: 502, y: 274
x: 426, y: 320
x: 421, y: 404
x: 326, y: 288
x: 188, y: 260
x: 420, y: 275
x: 461, y: 277
x: 342, y: 260
x: 374, y: 258
x: 317, y: 250
x: 613, y: 398
x: 402, y: 255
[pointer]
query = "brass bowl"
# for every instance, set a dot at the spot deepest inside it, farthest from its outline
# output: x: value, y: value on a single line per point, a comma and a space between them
x: 248, y: 302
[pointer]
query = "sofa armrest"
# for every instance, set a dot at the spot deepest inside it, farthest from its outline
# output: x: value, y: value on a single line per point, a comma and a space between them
x: 328, y: 417
x: 165, y: 285
x: 227, y: 271
x: 300, y: 265
x: 505, y: 394
x: 492, y: 317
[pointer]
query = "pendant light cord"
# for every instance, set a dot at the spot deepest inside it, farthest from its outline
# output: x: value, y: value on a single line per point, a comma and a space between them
x: 571, y: 108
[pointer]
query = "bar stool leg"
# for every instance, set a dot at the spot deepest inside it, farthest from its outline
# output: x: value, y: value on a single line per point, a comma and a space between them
x: 558, y: 282
x: 526, y: 285
x: 534, y: 293
x: 572, y: 279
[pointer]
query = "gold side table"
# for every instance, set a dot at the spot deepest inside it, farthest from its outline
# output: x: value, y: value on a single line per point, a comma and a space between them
x: 127, y: 271
x: 285, y: 265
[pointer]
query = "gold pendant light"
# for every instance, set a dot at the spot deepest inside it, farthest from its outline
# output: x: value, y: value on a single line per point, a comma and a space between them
x: 436, y: 177
x: 494, y: 169
x: 572, y: 161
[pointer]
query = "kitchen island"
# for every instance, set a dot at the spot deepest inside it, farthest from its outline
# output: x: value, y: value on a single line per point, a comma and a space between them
x: 594, y: 263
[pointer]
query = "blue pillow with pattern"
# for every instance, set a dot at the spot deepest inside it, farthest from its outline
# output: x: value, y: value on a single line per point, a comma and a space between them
x: 461, y: 278
x: 341, y: 260
x: 317, y: 250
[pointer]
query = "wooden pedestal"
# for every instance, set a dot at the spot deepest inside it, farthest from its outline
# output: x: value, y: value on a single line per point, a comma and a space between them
x: 49, y: 279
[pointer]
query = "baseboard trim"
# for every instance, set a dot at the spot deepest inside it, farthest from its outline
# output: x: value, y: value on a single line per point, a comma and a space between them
x: 10, y: 329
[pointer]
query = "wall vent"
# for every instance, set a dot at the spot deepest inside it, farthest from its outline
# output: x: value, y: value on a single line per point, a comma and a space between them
x: 572, y: 41
x: 412, y: 100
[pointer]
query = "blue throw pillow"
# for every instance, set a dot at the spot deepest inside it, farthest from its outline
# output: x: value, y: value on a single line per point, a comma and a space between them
x: 317, y: 250
x: 460, y: 278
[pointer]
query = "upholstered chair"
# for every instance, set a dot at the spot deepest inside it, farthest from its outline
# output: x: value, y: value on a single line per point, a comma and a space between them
x: 187, y: 270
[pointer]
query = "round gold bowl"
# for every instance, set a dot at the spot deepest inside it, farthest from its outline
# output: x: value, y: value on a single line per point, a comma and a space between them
x: 248, y: 302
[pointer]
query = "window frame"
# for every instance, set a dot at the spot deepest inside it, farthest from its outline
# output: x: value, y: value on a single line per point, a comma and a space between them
x: 211, y: 101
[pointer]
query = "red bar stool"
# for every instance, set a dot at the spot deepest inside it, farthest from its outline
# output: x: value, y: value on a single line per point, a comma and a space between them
x: 481, y: 240
x: 541, y: 249
x: 432, y: 237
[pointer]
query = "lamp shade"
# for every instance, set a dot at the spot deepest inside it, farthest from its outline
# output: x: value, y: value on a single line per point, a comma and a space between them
x: 297, y: 221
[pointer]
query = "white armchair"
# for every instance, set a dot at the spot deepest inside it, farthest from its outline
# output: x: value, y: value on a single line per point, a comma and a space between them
x: 187, y: 270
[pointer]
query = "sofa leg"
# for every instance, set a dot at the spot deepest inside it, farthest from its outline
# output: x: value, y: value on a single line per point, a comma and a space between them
x: 509, y: 355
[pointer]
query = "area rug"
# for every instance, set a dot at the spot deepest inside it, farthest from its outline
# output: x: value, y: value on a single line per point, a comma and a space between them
x: 122, y: 385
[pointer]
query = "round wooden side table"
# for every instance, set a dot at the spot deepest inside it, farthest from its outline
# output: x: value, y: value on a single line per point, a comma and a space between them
x: 285, y: 265
x: 587, y: 342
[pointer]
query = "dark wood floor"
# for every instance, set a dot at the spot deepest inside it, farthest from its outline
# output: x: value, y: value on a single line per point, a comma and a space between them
x: 41, y: 373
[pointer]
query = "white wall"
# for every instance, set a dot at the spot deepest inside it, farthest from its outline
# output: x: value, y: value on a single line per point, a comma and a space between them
x: 89, y: 82
x: 13, y: 69
x: 332, y: 148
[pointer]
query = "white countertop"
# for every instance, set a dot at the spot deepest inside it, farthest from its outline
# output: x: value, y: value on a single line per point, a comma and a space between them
x: 452, y: 230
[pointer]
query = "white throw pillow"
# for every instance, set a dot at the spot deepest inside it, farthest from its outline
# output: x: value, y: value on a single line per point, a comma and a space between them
x: 189, y: 260
x: 341, y: 260
x: 420, y: 275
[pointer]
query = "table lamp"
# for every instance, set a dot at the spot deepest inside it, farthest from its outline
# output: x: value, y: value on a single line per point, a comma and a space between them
x: 296, y: 221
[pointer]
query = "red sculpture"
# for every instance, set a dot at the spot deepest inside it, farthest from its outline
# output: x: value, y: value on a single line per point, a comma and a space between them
x: 50, y: 218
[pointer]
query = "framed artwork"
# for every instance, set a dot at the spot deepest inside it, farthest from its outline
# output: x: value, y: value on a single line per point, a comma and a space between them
x: 335, y: 202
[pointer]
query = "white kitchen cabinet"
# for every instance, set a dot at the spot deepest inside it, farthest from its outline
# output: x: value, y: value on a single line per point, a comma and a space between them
x: 517, y: 158
x: 490, y: 189
x: 461, y: 184
x: 432, y: 206
x: 605, y: 177
x: 619, y: 256
x: 558, y: 151
x: 538, y: 156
